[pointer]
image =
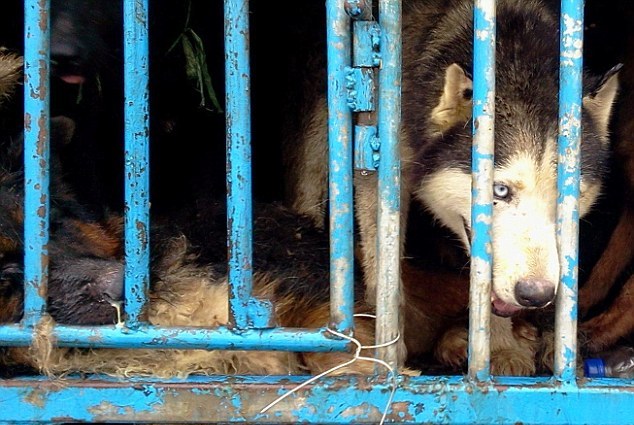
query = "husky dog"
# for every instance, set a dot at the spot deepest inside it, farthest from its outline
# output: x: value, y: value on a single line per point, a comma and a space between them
x: 436, y: 136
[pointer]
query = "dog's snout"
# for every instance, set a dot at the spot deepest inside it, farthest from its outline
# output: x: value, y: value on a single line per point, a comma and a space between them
x: 64, y: 51
x: 534, y: 292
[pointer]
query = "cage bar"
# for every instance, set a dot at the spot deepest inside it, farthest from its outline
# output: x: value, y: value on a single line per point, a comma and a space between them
x: 137, y: 190
x: 568, y: 176
x: 238, y: 138
x: 36, y: 158
x: 340, y: 169
x: 440, y: 400
x: 484, y: 26
x: 146, y: 336
x: 389, y: 202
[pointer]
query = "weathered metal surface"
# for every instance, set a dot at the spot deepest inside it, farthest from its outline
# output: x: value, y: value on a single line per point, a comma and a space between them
x: 366, y: 147
x: 335, y: 401
x: 458, y: 400
x: 222, y: 338
x: 358, y: 9
x: 361, y: 84
x: 482, y: 187
x: 389, y: 185
x: 36, y: 157
x: 360, y: 89
x: 366, y: 44
x: 245, y: 311
x: 568, y: 176
x: 238, y: 139
x: 137, y: 173
x: 340, y: 169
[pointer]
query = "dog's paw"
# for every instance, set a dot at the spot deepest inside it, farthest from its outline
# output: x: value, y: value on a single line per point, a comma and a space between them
x: 409, y: 371
x: 546, y: 353
x: 597, y: 333
x: 511, y: 362
x: 451, y: 348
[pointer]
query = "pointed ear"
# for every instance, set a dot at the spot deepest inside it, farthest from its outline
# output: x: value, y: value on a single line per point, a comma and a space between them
x: 454, y: 106
x: 600, y: 103
x: 10, y: 74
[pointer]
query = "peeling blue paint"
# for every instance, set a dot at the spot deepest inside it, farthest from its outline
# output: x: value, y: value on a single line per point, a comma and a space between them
x: 36, y: 157
x: 474, y: 399
x: 144, y: 336
x: 340, y: 169
x: 238, y: 137
x: 568, y: 177
x: 137, y: 173
x: 389, y: 184
x: 482, y: 188
x: 335, y: 400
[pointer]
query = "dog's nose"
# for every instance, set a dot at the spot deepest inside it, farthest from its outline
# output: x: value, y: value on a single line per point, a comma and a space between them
x: 534, y: 292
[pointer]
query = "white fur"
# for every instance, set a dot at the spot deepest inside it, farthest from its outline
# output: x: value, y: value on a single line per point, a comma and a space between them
x: 524, y: 229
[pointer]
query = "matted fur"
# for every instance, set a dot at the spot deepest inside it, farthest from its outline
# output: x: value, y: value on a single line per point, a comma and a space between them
x: 188, y: 295
x: 10, y: 73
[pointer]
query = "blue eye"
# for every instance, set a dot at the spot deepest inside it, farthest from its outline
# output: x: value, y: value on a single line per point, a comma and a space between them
x: 500, y: 191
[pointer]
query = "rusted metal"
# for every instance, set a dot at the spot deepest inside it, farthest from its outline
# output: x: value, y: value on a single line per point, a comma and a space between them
x: 340, y: 169
x: 137, y: 191
x: 389, y: 183
x: 568, y: 177
x: 482, y: 188
x: 36, y: 158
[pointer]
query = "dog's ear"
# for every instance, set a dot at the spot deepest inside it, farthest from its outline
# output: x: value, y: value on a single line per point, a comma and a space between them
x: 599, y: 104
x: 10, y: 73
x: 454, y: 106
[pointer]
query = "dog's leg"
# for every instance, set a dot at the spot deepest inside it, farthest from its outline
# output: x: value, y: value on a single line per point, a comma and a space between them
x: 513, y: 347
x: 307, y: 164
x: 614, y: 323
x: 617, y: 255
x: 366, y: 197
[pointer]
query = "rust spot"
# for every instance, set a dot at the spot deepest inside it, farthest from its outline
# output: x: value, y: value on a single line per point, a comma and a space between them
x: 42, y: 290
x: 37, y: 398
x: 43, y: 94
x: 41, y: 212
x: 43, y: 22
x: 27, y: 121
x: 142, y: 234
x: 400, y: 411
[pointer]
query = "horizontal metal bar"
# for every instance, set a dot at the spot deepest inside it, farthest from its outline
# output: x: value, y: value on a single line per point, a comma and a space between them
x: 331, y: 400
x: 222, y: 338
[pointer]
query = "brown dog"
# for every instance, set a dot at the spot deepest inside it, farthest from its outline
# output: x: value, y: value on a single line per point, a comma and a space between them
x: 617, y: 260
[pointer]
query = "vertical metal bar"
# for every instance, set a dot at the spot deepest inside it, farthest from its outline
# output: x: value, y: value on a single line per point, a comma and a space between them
x: 137, y: 196
x: 340, y: 169
x: 568, y: 175
x: 36, y: 157
x: 388, y: 232
x: 238, y: 117
x: 482, y: 187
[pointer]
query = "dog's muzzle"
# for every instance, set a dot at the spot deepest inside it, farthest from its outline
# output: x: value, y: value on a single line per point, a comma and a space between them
x: 534, y: 292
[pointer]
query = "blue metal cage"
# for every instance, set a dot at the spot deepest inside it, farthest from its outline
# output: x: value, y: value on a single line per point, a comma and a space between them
x: 476, y: 398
